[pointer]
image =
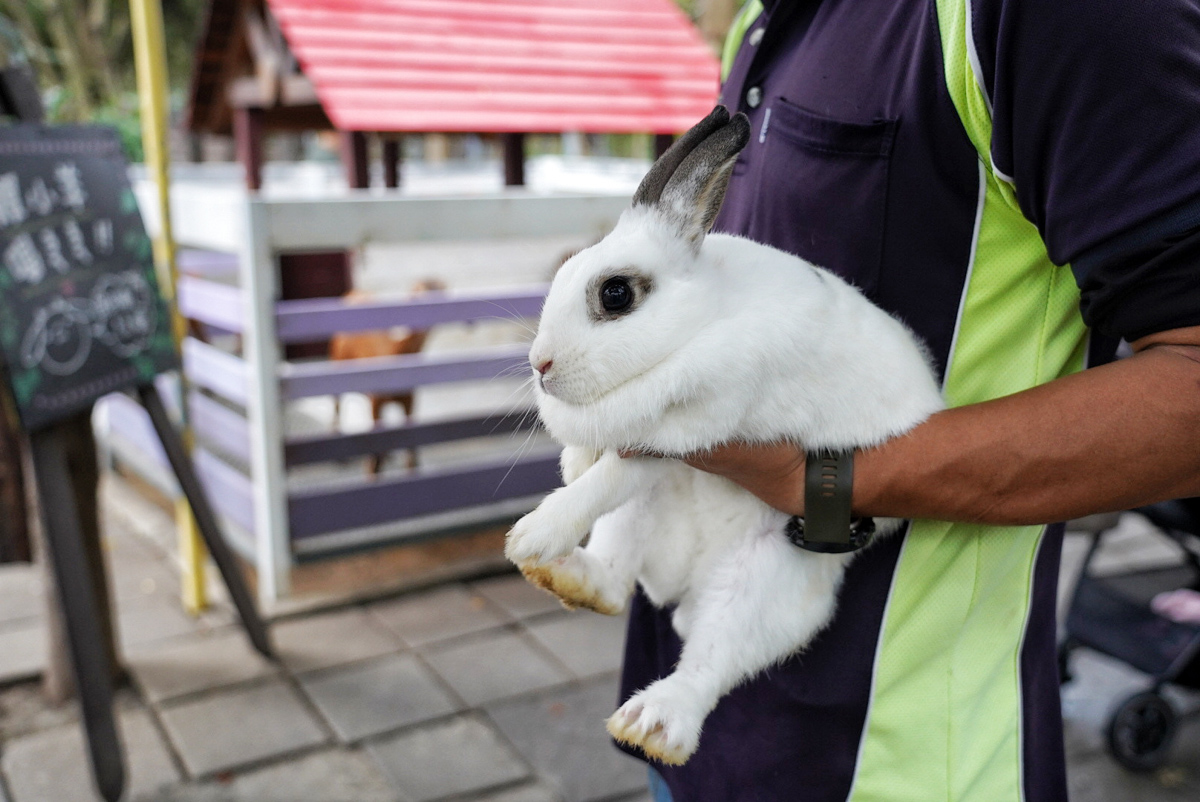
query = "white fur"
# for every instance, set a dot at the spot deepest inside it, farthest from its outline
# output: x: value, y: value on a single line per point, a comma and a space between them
x: 736, y: 342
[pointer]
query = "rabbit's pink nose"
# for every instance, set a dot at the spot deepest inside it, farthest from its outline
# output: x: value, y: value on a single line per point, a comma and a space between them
x: 545, y: 366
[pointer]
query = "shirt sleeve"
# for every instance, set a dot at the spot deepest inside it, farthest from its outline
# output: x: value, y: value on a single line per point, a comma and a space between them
x: 1144, y: 291
x: 1096, y: 120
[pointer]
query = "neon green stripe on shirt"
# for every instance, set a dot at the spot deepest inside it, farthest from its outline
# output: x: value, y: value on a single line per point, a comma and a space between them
x: 945, y: 714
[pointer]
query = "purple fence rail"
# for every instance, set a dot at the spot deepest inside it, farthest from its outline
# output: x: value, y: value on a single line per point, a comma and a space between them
x: 215, y: 370
x: 316, y: 512
x: 300, y: 451
x: 219, y: 305
x: 211, y: 264
x: 229, y: 489
x: 220, y: 426
x: 318, y: 318
x: 398, y: 373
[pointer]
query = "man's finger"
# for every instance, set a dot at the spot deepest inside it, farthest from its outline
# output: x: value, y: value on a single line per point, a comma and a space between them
x: 625, y: 453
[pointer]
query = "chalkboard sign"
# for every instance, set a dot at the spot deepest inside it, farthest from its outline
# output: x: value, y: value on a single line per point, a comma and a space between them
x: 81, y: 314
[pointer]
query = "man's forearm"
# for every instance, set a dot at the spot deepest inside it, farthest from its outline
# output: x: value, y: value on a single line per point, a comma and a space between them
x: 1109, y: 438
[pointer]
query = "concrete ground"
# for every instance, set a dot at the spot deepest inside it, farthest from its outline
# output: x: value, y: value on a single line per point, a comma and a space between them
x: 470, y: 690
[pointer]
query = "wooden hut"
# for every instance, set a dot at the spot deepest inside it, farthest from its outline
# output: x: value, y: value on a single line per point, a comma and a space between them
x: 390, y: 67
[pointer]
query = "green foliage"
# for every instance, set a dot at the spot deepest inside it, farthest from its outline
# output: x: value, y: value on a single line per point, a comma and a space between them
x: 124, y: 114
x: 82, y: 53
x: 25, y: 384
x: 129, y: 206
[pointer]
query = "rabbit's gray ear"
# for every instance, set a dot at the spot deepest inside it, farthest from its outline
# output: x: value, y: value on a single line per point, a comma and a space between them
x: 693, y: 195
x: 651, y: 188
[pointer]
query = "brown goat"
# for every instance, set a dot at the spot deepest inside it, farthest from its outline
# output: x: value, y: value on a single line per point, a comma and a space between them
x: 363, y: 344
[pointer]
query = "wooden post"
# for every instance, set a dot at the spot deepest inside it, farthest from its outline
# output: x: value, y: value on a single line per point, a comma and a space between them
x: 74, y: 572
x: 354, y: 159
x: 247, y: 137
x: 260, y: 282
x: 150, y: 54
x: 514, y: 160
x: 391, y: 163
x: 14, y: 523
x: 79, y: 447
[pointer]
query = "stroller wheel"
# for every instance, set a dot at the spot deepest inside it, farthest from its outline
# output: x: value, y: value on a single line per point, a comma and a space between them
x: 1140, y: 731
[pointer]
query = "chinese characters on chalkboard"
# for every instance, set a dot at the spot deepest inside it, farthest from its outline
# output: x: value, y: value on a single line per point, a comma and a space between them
x: 80, y: 311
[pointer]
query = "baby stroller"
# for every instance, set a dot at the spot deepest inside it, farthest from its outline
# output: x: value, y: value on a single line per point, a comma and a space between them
x: 1113, y: 615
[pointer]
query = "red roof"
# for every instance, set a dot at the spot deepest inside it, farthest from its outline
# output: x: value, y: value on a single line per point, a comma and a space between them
x: 599, y: 66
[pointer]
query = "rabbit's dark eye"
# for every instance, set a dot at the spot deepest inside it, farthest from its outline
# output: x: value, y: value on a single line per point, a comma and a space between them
x: 616, y: 295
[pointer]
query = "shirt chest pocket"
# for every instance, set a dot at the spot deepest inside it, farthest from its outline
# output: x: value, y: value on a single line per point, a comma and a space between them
x: 820, y: 189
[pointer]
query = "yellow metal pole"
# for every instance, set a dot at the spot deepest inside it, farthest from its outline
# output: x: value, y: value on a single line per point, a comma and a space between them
x: 151, y: 63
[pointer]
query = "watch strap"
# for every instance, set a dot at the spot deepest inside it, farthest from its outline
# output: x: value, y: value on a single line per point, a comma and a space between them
x: 828, y: 482
x: 827, y: 525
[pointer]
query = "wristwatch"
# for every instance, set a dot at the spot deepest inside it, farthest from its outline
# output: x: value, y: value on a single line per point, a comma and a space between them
x: 827, y: 525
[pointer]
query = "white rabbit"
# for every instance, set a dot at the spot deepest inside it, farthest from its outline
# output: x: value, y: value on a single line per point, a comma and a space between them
x: 663, y: 338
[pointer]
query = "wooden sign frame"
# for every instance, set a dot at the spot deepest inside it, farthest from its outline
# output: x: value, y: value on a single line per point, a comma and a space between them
x: 81, y: 316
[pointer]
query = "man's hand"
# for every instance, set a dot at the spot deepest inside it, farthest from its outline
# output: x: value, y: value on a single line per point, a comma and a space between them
x: 773, y: 472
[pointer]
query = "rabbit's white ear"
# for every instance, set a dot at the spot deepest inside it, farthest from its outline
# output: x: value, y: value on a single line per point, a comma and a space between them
x: 694, y: 193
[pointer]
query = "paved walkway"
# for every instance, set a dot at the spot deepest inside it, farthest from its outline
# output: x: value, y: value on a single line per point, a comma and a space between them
x: 481, y: 690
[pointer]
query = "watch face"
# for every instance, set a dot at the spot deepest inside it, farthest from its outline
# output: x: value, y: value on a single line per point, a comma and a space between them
x: 858, y: 535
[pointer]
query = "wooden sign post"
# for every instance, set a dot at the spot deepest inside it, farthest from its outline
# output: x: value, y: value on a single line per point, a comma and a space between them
x: 81, y: 316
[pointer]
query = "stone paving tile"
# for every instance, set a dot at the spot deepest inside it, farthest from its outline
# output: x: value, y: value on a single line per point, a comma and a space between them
x: 638, y: 797
x: 437, y: 614
x: 25, y: 710
x: 52, y: 765
x: 451, y: 757
x: 189, y: 792
x: 494, y: 666
x: 1183, y: 763
x: 238, y: 727
x: 588, y: 643
x: 513, y: 594
x: 21, y: 592
x: 1100, y: 779
x: 133, y: 579
x: 208, y: 660
x: 330, y: 776
x: 321, y: 641
x: 22, y: 650
x: 1134, y: 544
x: 153, y: 620
x: 562, y: 736
x: 376, y: 696
x: 533, y: 792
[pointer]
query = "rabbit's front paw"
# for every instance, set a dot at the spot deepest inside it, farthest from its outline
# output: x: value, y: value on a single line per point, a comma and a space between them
x: 575, y: 460
x: 663, y: 721
x: 540, y: 537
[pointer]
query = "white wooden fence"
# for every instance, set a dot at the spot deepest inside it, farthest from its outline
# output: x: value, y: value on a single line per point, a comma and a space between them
x: 237, y: 398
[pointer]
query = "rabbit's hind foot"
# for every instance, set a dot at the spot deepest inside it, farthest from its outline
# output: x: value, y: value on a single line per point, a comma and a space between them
x: 663, y: 721
x: 570, y: 579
